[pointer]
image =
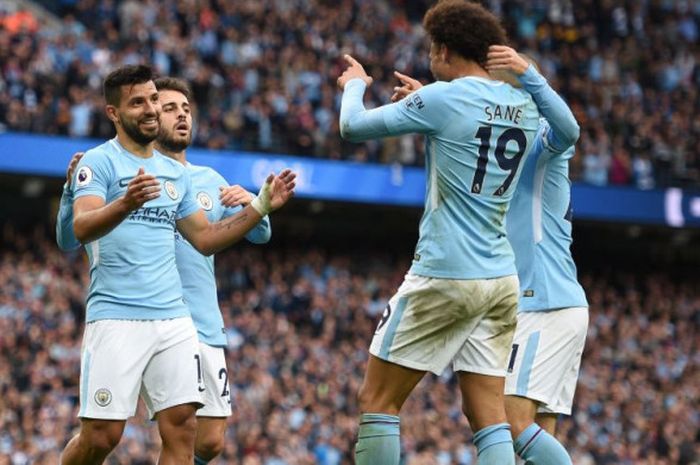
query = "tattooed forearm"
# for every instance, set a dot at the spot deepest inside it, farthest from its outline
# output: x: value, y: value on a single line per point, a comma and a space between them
x: 232, y: 221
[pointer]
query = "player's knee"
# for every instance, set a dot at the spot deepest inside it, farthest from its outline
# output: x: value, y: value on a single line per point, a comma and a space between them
x: 373, y: 400
x: 485, y: 413
x: 520, y: 412
x: 518, y: 423
x: 365, y: 398
x: 178, y: 425
x: 102, y: 438
x: 209, y: 445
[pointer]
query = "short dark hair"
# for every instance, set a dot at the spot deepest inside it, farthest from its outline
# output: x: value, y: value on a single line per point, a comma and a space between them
x: 171, y: 83
x: 465, y: 28
x: 128, y: 75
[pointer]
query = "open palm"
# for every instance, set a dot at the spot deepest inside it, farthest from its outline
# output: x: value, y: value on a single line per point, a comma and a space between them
x: 282, y: 188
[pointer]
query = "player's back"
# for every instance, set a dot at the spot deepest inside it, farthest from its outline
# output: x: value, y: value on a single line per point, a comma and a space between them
x: 481, y: 133
x: 132, y: 268
x: 539, y: 229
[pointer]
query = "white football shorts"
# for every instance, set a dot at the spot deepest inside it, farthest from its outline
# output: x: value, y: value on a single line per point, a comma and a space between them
x: 217, y: 391
x: 546, y: 357
x: 121, y: 359
x: 431, y: 322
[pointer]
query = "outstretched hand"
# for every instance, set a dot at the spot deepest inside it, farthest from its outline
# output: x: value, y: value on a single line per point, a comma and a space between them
x: 408, y: 85
x: 142, y: 188
x: 275, y: 192
x: 353, y: 71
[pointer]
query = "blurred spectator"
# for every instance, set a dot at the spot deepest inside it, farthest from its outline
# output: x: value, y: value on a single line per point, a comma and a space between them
x: 264, y: 72
x: 299, y: 323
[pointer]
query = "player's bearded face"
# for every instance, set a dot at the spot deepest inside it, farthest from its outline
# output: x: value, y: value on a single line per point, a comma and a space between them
x: 139, y: 112
x: 175, y: 121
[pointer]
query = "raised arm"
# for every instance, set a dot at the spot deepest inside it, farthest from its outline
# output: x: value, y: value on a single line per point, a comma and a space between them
x: 209, y: 238
x: 564, y: 128
x: 358, y: 124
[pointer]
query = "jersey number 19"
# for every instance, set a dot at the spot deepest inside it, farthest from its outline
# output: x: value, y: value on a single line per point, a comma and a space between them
x: 507, y: 164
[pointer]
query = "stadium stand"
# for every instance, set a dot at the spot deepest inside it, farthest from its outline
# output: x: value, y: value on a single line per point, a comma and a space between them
x: 264, y: 73
x: 299, y: 322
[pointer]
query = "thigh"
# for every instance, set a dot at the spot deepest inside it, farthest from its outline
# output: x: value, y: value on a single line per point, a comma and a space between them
x: 114, y: 355
x: 173, y: 376
x: 217, y: 394
x: 546, y: 356
x: 486, y: 350
x: 423, y: 326
x: 482, y: 399
x: 386, y: 386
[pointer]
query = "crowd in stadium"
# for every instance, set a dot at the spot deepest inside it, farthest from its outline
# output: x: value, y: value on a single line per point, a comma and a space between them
x: 299, y: 324
x: 264, y: 73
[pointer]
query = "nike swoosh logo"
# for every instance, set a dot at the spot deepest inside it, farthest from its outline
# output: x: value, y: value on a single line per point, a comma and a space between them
x: 201, y: 389
x: 124, y: 182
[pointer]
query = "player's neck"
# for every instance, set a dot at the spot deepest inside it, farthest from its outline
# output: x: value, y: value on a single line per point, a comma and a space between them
x: 464, y: 68
x: 133, y: 147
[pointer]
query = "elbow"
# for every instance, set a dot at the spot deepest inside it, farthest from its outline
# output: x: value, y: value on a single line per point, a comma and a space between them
x: 348, y: 133
x: 575, y: 133
x: 80, y: 233
x: 203, y: 248
x: 260, y: 238
x: 345, y: 131
x: 566, y: 137
x: 570, y: 137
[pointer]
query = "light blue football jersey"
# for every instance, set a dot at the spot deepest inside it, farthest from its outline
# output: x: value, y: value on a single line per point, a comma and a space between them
x: 478, y: 133
x: 539, y: 219
x: 197, y: 270
x: 133, y: 274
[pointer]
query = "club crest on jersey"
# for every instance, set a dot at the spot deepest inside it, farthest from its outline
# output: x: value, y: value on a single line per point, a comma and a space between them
x: 205, y: 201
x: 171, y: 190
x: 84, y: 176
x: 103, y: 397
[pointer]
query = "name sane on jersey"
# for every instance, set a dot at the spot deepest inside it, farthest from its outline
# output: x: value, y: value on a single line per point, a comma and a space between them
x: 503, y: 112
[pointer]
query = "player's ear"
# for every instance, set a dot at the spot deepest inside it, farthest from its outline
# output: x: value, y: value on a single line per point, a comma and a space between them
x: 445, y: 53
x: 111, y: 112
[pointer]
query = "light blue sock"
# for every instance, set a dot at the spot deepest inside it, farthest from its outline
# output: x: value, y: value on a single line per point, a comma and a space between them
x: 538, y: 447
x: 378, y: 440
x: 200, y: 461
x: 494, y: 445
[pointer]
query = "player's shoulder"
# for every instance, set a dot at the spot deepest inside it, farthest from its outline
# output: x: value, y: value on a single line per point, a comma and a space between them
x: 98, y: 160
x: 430, y: 99
x: 169, y: 165
x: 210, y: 175
x: 434, y: 90
x: 201, y: 170
x: 102, y: 151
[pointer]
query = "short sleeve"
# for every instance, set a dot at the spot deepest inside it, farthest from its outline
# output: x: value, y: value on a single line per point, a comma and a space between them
x: 189, y: 204
x: 93, y: 175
